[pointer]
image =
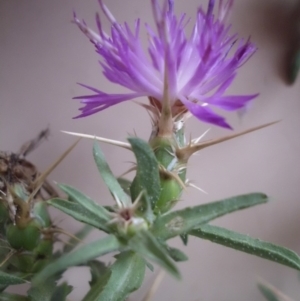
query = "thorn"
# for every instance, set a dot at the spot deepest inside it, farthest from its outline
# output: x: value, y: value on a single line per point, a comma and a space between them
x: 119, y: 203
x: 38, y: 183
x: 31, y: 145
x: 172, y: 175
x: 134, y: 132
x: 150, y: 109
x: 194, y: 141
x: 8, y: 256
x: 62, y: 231
x: 190, y: 184
x: 186, y: 152
x: 101, y: 139
x: 136, y: 201
x: 127, y: 172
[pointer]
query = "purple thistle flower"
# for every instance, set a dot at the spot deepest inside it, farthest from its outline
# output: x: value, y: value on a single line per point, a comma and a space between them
x: 196, y: 70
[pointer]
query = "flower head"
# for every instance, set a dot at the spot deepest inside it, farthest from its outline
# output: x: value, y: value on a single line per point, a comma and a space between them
x: 181, y: 72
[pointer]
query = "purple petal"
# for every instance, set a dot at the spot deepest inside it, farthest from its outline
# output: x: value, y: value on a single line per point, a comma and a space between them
x: 231, y: 103
x: 96, y: 103
x: 205, y: 114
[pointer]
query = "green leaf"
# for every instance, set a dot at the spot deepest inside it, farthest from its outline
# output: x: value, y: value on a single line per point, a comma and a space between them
x: 176, y: 254
x: 79, y: 256
x: 123, y: 277
x: 42, y: 291
x: 249, y: 245
x: 12, y: 297
x: 61, y: 292
x: 185, y: 238
x: 147, y: 177
x: 79, y: 213
x: 271, y: 293
x: 108, y: 177
x: 294, y: 66
x: 98, y: 269
x: 147, y: 246
x: 81, y: 234
x: 8, y: 279
x: 182, y: 221
x: 125, y: 184
x: 85, y: 202
x: 149, y: 266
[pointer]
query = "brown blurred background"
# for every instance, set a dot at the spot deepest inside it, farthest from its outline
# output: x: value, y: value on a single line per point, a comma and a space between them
x: 43, y: 55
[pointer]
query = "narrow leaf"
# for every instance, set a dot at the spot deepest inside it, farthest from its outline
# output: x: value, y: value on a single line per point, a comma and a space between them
x: 79, y: 256
x: 271, y: 293
x: 147, y: 177
x: 182, y: 221
x: 147, y: 246
x: 123, y: 277
x: 176, y: 254
x: 249, y: 245
x: 108, y: 177
x: 185, y: 238
x: 85, y: 202
x: 12, y: 297
x: 79, y: 213
x: 125, y: 184
x: 8, y: 279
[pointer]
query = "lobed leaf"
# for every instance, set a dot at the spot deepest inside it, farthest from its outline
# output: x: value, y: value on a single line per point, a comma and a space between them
x: 79, y: 256
x: 61, y: 292
x: 98, y: 269
x: 248, y: 245
x: 179, y: 222
x: 108, y: 177
x: 123, y: 277
x: 145, y: 244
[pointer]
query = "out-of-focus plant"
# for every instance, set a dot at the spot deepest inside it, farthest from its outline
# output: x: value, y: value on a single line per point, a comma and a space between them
x: 271, y: 293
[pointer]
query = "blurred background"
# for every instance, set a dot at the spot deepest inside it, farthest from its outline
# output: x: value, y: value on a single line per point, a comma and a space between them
x: 43, y: 56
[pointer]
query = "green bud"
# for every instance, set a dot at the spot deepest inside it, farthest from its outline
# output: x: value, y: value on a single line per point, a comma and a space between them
x: 137, y: 225
x: 171, y: 189
x: 170, y: 194
x: 44, y: 248
x: 23, y: 262
x: 32, y: 237
x: 26, y: 238
x: 14, y: 236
